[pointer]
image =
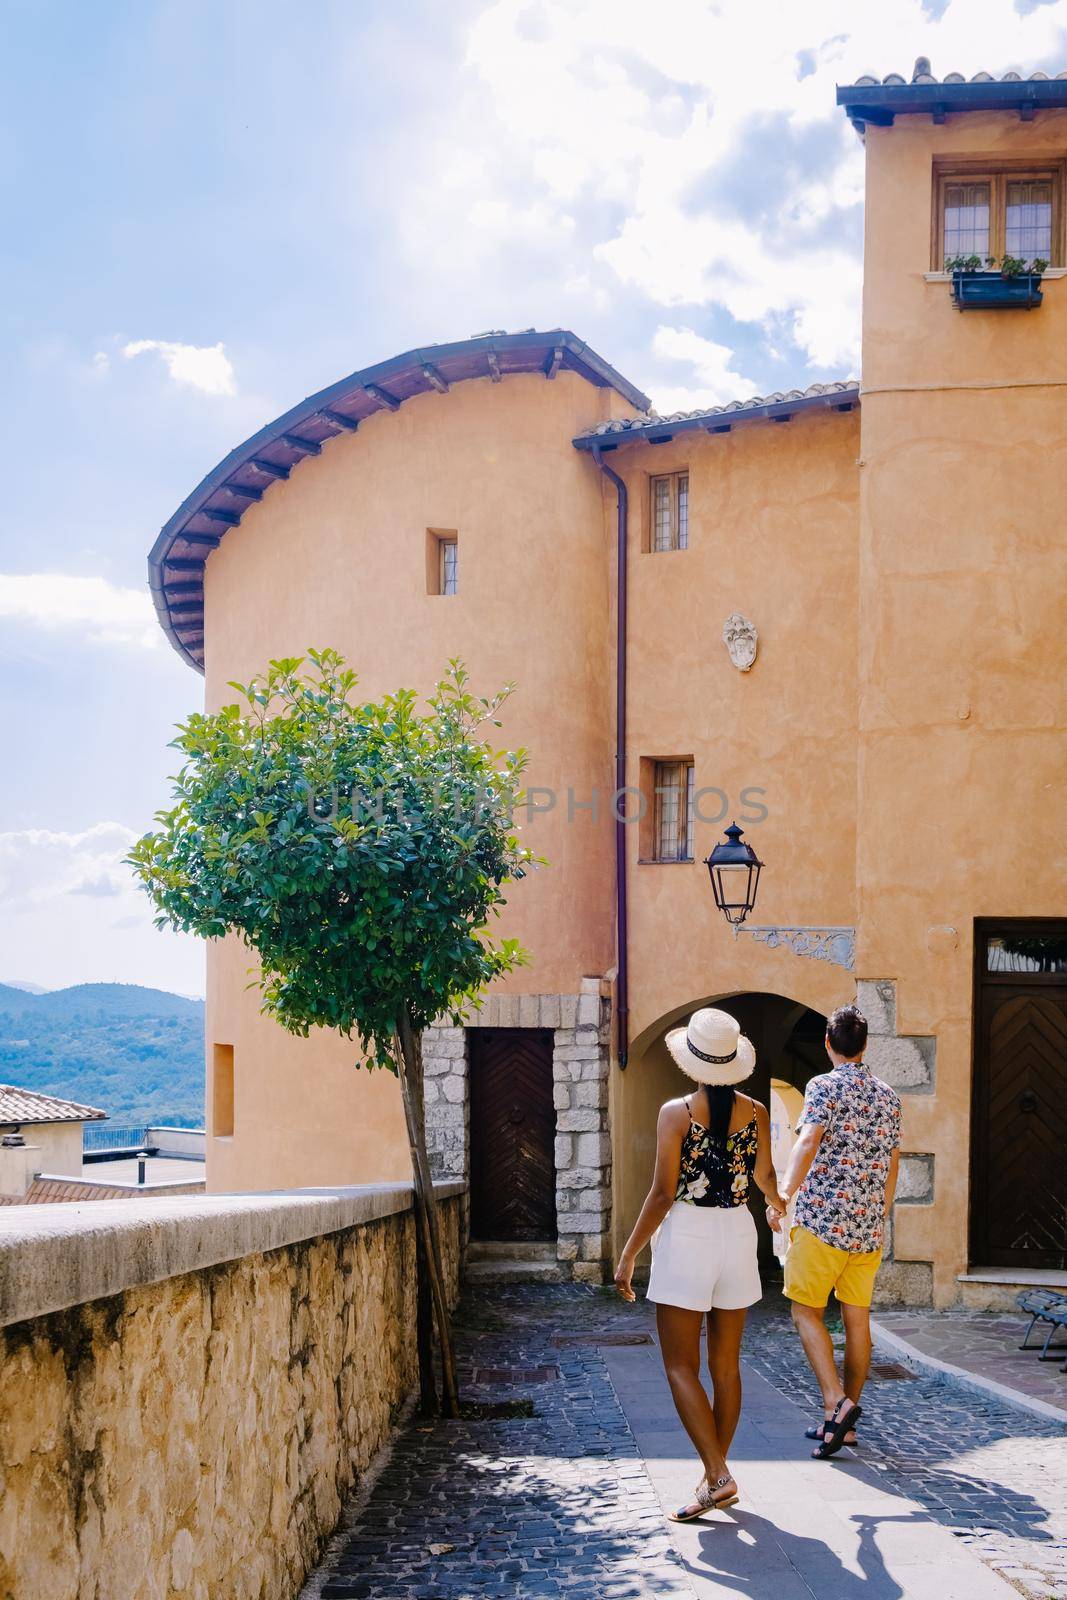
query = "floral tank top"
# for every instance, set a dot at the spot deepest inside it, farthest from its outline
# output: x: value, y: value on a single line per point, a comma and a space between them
x: 716, y: 1172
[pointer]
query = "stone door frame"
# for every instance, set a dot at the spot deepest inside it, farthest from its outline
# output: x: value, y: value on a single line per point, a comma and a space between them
x: 581, y: 1055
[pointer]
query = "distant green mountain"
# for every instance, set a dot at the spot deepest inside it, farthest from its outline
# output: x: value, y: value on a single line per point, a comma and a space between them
x: 137, y: 1054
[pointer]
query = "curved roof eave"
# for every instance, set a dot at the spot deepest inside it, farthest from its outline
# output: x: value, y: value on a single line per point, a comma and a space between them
x: 176, y: 561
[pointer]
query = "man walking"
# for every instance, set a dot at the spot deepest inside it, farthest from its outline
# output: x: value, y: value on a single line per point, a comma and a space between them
x: 843, y: 1171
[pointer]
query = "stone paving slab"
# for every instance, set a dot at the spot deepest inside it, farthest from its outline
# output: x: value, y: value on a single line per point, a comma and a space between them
x: 991, y: 1474
x: 984, y: 1345
x: 801, y: 1526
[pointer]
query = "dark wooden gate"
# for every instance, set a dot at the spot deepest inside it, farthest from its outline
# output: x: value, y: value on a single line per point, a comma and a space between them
x: 1019, y: 1172
x: 513, y: 1129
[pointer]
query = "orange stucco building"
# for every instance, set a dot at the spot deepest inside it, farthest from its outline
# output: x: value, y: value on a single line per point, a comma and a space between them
x: 894, y: 749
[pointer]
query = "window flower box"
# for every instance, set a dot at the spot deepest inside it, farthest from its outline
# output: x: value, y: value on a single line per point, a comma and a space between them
x: 992, y: 291
x: 983, y: 286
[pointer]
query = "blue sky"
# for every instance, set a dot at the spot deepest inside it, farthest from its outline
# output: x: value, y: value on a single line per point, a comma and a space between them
x: 214, y: 207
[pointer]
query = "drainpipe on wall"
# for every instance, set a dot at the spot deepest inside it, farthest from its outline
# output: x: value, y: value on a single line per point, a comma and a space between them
x: 622, y: 1000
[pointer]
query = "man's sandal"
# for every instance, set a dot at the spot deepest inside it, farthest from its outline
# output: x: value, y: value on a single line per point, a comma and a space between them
x: 818, y: 1432
x: 835, y: 1428
x: 708, y: 1499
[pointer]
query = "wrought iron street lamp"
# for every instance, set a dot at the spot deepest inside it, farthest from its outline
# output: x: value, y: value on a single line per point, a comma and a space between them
x: 734, y: 868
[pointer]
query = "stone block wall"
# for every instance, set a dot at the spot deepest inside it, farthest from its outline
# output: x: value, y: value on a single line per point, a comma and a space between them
x: 195, y: 1432
x: 581, y: 1051
x: 580, y: 1062
x: 908, y: 1063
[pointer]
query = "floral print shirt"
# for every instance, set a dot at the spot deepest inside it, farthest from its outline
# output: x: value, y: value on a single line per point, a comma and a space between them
x: 716, y: 1172
x: 842, y: 1199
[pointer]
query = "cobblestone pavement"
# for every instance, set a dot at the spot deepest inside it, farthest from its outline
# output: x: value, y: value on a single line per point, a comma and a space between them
x: 555, y: 1504
x: 560, y: 1502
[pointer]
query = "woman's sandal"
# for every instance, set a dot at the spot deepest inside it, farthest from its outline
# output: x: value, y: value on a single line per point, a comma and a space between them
x: 835, y: 1428
x: 818, y: 1433
x: 708, y: 1499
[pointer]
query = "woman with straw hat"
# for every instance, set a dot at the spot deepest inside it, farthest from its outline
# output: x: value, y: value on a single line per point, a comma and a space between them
x: 710, y: 1145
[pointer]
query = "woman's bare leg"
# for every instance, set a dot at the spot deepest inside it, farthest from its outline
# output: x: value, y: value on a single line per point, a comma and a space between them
x: 724, y: 1363
x: 679, y: 1343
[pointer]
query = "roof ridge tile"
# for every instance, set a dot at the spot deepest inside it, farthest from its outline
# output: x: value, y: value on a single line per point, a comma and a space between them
x: 923, y: 75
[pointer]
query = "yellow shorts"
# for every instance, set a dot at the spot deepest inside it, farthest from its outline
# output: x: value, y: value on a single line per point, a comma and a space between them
x: 813, y: 1268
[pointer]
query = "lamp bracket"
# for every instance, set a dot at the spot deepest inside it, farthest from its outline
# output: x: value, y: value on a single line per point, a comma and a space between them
x: 836, y: 945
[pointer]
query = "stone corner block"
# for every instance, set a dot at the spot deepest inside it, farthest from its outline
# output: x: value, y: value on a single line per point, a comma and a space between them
x: 904, y: 1283
x: 877, y: 999
x: 915, y: 1184
x: 590, y: 1272
x: 592, y: 1149
x: 589, y: 1008
x: 585, y: 1119
x: 906, y: 1063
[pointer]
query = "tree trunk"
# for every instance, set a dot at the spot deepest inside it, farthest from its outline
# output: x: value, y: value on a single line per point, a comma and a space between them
x: 428, y: 1402
x: 409, y: 1061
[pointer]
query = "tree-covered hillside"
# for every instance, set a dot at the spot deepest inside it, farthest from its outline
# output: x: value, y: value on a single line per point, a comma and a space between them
x: 137, y: 1054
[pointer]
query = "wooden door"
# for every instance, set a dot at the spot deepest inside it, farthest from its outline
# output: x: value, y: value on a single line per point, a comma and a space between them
x: 513, y: 1130
x: 1019, y: 1178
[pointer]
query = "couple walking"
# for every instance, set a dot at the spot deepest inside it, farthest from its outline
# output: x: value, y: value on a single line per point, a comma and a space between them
x: 842, y: 1173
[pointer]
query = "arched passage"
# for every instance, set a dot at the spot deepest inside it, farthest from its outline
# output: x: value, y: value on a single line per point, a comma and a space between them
x: 788, y: 1038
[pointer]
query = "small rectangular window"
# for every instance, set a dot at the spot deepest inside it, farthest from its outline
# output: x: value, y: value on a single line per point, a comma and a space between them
x: 449, y: 566
x: 672, y: 838
x: 442, y: 561
x: 997, y: 212
x: 670, y: 512
x: 222, y: 1091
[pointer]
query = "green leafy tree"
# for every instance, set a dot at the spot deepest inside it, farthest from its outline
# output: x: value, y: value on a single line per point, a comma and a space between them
x: 359, y: 849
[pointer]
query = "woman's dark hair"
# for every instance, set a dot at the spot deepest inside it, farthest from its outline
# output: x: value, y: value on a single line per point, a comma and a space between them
x: 846, y: 1030
x: 721, y: 1106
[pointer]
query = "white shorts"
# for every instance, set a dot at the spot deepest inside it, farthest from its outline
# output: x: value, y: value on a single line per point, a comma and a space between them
x: 704, y: 1258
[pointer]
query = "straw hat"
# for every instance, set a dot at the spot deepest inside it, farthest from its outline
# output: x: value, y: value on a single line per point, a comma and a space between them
x: 712, y: 1048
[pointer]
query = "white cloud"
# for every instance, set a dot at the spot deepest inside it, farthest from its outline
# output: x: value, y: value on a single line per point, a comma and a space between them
x: 204, y: 367
x: 102, y: 612
x: 39, y: 865
x: 74, y: 913
x: 712, y: 365
x: 628, y: 141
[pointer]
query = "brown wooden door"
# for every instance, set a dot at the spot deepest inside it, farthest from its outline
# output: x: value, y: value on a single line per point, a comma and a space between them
x: 513, y: 1130
x: 1019, y: 1185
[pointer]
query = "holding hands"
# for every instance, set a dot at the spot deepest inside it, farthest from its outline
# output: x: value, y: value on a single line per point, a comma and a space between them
x: 776, y: 1210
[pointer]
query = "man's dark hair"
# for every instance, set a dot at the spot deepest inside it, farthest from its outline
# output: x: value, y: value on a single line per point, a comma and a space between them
x: 846, y: 1030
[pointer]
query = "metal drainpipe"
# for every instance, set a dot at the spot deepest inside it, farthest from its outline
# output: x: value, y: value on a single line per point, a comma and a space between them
x: 622, y: 985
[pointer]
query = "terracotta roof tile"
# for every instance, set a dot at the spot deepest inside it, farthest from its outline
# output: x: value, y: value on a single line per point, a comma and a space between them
x: 652, y: 419
x: 921, y: 73
x: 45, y: 1190
x: 28, y: 1106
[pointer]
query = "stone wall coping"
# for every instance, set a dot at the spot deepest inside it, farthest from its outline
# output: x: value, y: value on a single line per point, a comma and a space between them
x: 56, y: 1256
